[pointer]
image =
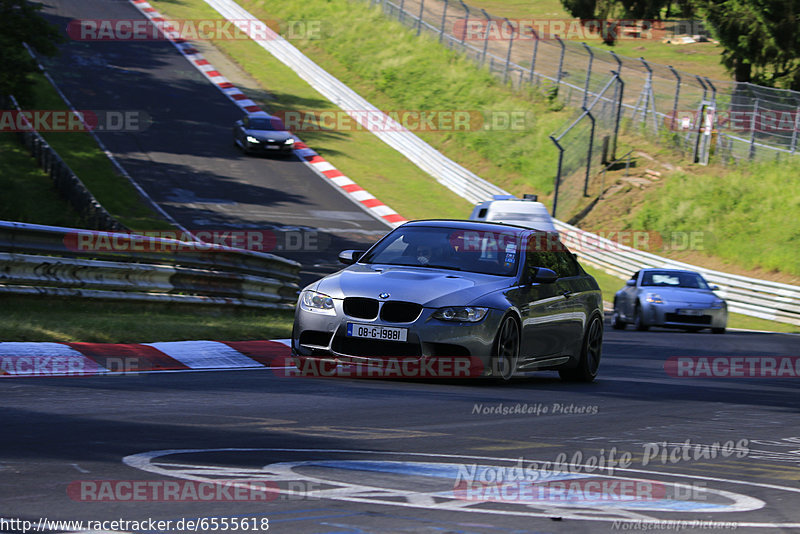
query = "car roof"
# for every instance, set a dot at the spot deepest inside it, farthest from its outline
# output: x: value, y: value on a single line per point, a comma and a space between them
x: 667, y: 270
x: 463, y: 224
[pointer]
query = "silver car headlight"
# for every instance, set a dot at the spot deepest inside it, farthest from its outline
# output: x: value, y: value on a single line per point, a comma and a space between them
x: 289, y: 141
x: 717, y: 304
x: 251, y: 139
x: 469, y: 314
x: 654, y: 298
x: 316, y: 302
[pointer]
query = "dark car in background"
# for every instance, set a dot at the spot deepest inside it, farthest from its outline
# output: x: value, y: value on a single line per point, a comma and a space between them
x: 510, y: 298
x: 263, y: 134
x: 670, y: 298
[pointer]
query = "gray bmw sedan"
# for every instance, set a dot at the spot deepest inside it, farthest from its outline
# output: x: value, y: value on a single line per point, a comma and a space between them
x: 494, y: 298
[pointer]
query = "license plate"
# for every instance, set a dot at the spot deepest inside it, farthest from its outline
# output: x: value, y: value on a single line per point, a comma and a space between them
x: 690, y: 312
x: 369, y: 331
x: 271, y: 147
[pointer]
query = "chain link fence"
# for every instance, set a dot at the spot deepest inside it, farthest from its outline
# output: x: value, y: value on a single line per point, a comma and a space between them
x: 728, y: 120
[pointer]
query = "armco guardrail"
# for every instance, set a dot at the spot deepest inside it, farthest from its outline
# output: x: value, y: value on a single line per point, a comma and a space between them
x: 49, y: 260
x: 758, y: 298
x: 749, y: 296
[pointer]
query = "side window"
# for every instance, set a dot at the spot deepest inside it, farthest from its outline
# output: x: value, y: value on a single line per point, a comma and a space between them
x: 568, y: 266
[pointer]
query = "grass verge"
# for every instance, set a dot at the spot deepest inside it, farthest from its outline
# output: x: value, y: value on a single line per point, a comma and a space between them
x: 81, y: 153
x: 63, y: 319
x: 29, y: 195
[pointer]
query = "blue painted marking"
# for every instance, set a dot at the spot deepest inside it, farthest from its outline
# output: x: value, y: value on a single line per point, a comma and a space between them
x: 349, y: 329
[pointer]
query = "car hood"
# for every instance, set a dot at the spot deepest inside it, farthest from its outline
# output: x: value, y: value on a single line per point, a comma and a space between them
x: 264, y: 135
x: 686, y: 296
x: 427, y: 286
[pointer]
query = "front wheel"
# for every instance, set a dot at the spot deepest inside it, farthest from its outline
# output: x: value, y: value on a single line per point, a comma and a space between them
x: 638, y: 320
x: 592, y: 350
x: 616, y: 321
x: 718, y: 330
x: 506, y: 349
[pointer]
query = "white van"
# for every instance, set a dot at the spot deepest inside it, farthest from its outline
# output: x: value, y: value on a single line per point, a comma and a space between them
x: 524, y: 211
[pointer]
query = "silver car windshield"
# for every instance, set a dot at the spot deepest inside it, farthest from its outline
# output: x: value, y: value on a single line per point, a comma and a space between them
x: 494, y: 252
x: 674, y: 279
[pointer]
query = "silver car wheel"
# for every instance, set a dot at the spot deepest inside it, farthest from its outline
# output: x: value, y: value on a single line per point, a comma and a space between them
x: 638, y: 321
x: 506, y: 349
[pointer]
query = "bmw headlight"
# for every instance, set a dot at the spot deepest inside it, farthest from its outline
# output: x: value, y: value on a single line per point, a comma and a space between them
x: 654, y: 298
x: 717, y: 304
x: 289, y: 141
x: 251, y: 139
x: 469, y: 314
x: 316, y: 302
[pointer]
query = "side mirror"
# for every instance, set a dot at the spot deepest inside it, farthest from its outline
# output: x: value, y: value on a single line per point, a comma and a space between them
x: 714, y: 288
x: 349, y: 257
x: 238, y: 123
x: 544, y: 276
x: 630, y: 283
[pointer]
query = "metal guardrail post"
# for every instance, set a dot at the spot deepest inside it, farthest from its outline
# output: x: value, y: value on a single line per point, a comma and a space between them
x: 677, y: 95
x: 401, y: 13
x: 649, y: 97
x: 444, y: 19
x: 419, y: 19
x: 486, y: 38
x: 589, y: 154
x: 560, y: 62
x: 618, y: 118
x: 466, y: 21
x: 508, y: 54
x: 793, y: 145
x: 713, y: 119
x: 698, y: 119
x: 588, y: 74
x: 753, y: 120
x: 558, y: 173
x: 535, y: 51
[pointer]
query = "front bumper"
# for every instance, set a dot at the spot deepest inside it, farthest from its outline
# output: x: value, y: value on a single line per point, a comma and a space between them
x: 324, y: 337
x: 675, y: 316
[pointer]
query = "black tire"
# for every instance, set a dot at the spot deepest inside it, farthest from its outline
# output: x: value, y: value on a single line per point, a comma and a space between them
x: 638, y: 322
x: 591, y: 352
x: 718, y: 330
x: 616, y: 321
x: 506, y: 349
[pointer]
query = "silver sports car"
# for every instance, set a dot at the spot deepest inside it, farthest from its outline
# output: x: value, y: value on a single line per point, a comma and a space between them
x: 502, y: 298
x: 670, y: 298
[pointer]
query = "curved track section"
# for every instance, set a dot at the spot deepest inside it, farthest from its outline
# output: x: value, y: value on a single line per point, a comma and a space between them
x: 185, y: 159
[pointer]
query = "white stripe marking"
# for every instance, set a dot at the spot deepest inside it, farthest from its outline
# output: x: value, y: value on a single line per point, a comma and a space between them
x: 204, y: 354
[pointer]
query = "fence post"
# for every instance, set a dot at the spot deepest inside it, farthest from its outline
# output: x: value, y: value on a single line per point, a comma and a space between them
x: 588, y: 74
x: 560, y: 62
x: 793, y: 145
x: 508, y: 54
x: 419, y: 19
x: 589, y: 154
x: 619, y: 116
x: 713, y: 118
x: 699, y: 120
x: 444, y: 18
x: 677, y: 95
x: 558, y: 174
x: 535, y: 51
x: 753, y: 130
x: 466, y: 21
x: 401, y: 14
x: 486, y: 37
x: 648, y: 97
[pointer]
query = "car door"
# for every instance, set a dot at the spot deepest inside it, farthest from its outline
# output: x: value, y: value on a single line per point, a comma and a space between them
x: 543, y: 308
x: 626, y: 299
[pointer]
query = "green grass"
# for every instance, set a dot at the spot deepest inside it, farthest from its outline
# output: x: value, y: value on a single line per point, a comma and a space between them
x: 609, y: 285
x: 64, y: 320
x: 81, y: 153
x: 749, y: 215
x: 29, y: 195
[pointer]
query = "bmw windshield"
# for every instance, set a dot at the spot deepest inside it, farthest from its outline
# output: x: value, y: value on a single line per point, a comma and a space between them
x: 494, y: 252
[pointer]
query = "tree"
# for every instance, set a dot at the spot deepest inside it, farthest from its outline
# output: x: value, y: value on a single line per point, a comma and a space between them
x: 580, y: 9
x: 761, y: 39
x: 20, y: 22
